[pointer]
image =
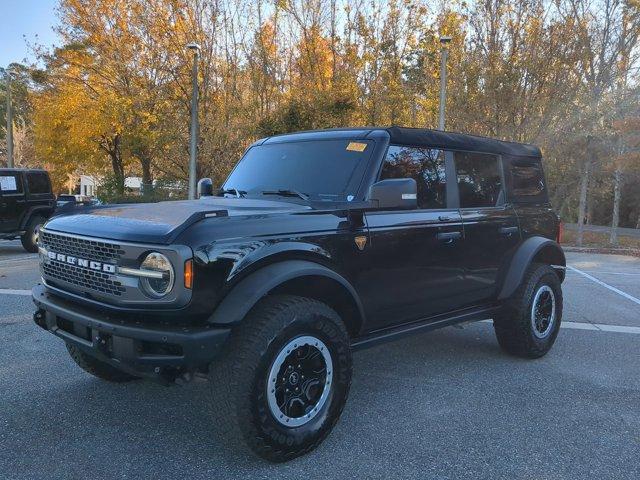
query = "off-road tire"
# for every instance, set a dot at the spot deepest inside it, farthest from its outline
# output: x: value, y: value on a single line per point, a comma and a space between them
x: 513, y: 324
x: 239, y: 378
x: 99, y: 369
x: 29, y: 237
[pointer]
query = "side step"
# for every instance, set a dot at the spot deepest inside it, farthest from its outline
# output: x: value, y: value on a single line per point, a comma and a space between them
x: 393, y: 333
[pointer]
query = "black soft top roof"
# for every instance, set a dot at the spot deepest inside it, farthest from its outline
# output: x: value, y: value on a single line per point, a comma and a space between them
x: 417, y: 137
x: 459, y: 141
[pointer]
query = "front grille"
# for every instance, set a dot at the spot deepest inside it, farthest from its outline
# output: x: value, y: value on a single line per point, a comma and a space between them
x: 92, y: 250
x: 97, y: 281
x: 81, y: 247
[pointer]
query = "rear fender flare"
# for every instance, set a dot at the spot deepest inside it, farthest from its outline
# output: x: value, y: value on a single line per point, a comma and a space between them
x: 243, y: 296
x: 524, y: 256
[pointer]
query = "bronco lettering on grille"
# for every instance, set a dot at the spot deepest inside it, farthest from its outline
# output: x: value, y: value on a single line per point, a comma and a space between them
x: 81, y: 262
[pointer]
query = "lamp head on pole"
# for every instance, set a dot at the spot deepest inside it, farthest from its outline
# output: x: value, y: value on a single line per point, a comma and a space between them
x: 444, y: 40
x: 194, y: 46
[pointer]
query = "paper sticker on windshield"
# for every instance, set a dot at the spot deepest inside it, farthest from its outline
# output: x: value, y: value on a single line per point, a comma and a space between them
x: 8, y: 183
x: 356, y: 147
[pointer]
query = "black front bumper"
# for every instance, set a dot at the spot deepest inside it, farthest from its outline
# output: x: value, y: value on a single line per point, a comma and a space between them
x: 162, y: 352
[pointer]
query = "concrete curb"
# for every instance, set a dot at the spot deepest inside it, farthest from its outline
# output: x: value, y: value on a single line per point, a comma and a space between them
x: 606, y: 250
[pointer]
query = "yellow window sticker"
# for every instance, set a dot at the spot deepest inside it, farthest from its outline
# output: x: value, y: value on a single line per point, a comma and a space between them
x: 356, y: 147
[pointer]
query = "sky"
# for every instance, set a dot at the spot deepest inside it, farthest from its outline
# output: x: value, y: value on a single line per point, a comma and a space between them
x: 32, y: 19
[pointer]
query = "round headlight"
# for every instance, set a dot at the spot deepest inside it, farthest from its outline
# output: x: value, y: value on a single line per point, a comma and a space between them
x: 161, y: 275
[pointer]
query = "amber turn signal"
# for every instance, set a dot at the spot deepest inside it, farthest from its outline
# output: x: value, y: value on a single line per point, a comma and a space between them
x: 188, y: 274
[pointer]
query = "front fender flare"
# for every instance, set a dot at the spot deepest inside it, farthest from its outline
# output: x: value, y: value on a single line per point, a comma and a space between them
x: 43, y: 210
x: 523, y: 257
x: 243, y: 296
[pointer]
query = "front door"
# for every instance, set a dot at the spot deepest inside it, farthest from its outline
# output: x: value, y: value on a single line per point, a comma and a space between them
x: 413, y: 269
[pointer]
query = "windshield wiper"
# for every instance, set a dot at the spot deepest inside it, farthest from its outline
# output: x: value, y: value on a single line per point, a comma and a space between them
x: 233, y: 191
x: 286, y: 193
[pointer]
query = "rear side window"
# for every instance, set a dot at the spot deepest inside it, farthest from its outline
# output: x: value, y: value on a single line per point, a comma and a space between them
x: 38, y: 183
x: 479, y: 179
x: 527, y: 179
x: 10, y: 183
x: 425, y: 166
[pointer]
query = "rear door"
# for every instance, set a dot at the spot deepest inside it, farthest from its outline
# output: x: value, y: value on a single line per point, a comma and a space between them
x: 413, y: 269
x: 12, y: 201
x: 491, y: 231
x: 528, y: 194
x: 38, y: 189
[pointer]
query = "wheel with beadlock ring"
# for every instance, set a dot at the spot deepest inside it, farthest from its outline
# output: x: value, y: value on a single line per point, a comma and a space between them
x: 284, y: 378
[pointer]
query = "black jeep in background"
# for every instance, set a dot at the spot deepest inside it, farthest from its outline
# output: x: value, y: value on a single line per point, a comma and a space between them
x: 26, y: 202
x: 317, y: 244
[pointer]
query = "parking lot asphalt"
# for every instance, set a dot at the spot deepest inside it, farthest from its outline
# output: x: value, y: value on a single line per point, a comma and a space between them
x: 443, y: 405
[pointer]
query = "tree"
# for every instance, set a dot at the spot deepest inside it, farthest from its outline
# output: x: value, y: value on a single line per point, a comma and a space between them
x: 548, y: 73
x: 18, y: 76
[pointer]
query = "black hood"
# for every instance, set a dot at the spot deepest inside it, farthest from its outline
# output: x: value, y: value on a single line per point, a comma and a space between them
x: 160, y: 222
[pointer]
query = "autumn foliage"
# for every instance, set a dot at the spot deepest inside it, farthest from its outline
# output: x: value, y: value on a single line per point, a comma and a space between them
x: 114, y: 97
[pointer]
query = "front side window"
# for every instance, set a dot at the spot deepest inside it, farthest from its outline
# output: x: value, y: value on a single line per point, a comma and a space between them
x: 38, y: 183
x: 425, y: 165
x: 324, y: 170
x: 479, y: 179
x: 10, y: 183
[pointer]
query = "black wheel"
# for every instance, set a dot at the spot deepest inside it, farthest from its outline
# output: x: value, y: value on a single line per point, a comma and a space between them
x: 99, y: 369
x: 29, y: 238
x: 284, y: 377
x: 529, y: 323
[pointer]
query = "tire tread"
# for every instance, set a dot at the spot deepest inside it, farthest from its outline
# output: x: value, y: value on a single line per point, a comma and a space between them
x: 512, y: 323
x: 238, y: 363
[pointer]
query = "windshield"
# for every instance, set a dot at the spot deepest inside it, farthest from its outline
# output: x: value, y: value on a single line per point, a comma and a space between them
x: 323, y: 170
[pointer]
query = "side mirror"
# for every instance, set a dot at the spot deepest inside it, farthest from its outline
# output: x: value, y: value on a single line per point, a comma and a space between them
x: 205, y: 187
x: 394, y: 193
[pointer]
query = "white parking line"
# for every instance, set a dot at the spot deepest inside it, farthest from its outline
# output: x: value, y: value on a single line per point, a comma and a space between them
x: 11, y: 291
x: 602, y: 272
x: 597, y: 327
x: 605, y: 285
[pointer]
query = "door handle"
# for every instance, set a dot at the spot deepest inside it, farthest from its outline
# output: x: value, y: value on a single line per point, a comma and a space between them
x: 448, y: 237
x: 444, y: 218
x: 508, y: 230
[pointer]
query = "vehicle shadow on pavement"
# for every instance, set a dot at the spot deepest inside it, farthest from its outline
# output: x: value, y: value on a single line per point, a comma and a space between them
x: 440, y: 405
x: 83, y: 423
x: 8, y: 250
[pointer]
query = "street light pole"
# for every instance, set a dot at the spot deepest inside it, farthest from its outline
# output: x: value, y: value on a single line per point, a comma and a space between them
x: 9, y: 123
x: 444, y: 54
x: 193, y: 140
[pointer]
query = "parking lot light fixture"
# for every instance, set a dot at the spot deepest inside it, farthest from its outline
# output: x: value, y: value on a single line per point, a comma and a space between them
x: 193, y: 140
x: 9, y: 121
x: 444, y: 54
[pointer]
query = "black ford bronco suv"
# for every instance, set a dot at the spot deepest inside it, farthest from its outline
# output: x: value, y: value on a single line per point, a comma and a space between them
x: 317, y: 244
x: 26, y: 201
